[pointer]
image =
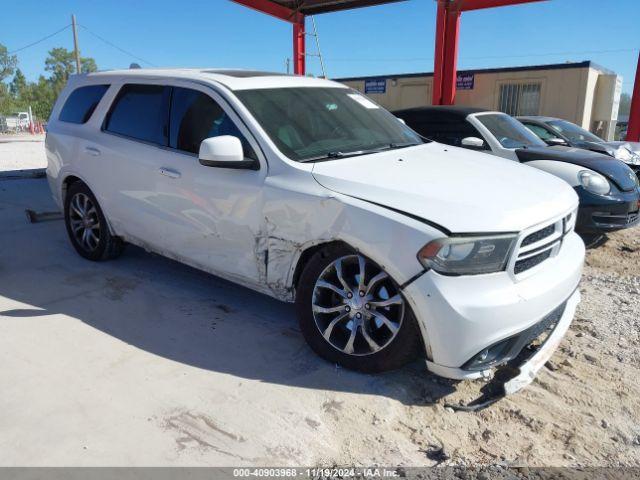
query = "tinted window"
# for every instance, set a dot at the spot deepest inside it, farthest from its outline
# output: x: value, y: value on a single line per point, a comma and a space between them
x: 509, y: 131
x: 81, y: 103
x: 447, y: 132
x: 541, y: 132
x: 308, y: 123
x: 141, y: 112
x: 196, y: 116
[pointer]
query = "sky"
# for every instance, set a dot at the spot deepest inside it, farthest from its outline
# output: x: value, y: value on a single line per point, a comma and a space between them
x: 394, y: 38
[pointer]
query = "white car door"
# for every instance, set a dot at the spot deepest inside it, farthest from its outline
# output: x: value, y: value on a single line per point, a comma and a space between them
x: 209, y: 217
x: 134, y: 134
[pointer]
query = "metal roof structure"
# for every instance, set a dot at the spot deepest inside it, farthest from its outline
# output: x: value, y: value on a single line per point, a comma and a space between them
x: 316, y: 7
x: 447, y: 37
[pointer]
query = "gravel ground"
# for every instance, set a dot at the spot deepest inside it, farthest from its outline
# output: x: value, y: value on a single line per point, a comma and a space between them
x: 143, y: 361
x: 22, y: 152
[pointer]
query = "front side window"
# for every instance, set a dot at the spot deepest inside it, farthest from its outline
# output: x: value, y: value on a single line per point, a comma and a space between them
x: 573, y: 132
x: 81, y: 103
x: 141, y: 112
x: 541, y: 132
x: 509, y: 131
x: 447, y: 132
x: 312, y: 123
x: 195, y: 116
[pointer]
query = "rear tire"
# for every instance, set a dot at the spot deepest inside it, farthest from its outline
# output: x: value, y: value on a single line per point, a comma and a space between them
x: 87, y: 226
x: 352, y: 313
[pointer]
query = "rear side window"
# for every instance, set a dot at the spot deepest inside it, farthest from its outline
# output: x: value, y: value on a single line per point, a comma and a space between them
x: 141, y: 112
x: 195, y: 116
x: 81, y: 103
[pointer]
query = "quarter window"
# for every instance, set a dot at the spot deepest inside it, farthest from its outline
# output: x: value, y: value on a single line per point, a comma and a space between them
x: 520, y: 98
x: 195, y: 116
x: 81, y: 103
x: 141, y: 112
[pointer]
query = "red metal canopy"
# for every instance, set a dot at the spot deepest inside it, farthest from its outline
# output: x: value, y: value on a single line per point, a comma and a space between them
x: 294, y: 11
x: 447, y: 34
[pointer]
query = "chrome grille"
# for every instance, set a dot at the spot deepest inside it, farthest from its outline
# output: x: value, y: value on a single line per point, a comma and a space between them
x: 541, y: 244
x: 539, y: 235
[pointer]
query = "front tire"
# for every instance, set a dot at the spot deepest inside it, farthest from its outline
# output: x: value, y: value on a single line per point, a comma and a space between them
x: 352, y: 313
x: 87, y: 226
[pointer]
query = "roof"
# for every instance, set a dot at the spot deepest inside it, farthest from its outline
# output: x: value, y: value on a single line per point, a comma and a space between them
x: 313, y: 7
x: 234, y: 79
x: 537, y: 118
x: 553, y: 66
x: 451, y: 111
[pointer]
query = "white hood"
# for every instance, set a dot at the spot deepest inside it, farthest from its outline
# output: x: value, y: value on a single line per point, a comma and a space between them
x: 458, y: 189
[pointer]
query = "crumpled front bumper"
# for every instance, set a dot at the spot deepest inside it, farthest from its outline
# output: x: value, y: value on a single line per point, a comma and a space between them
x: 461, y: 316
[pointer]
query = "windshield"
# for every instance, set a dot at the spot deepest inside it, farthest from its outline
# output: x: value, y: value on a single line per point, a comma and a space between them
x: 509, y: 131
x: 310, y: 124
x: 573, y: 132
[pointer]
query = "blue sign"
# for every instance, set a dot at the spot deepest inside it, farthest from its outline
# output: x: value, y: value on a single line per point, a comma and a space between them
x: 377, y: 85
x: 465, y: 81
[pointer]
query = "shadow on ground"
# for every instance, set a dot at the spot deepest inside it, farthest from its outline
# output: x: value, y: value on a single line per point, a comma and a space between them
x: 171, y: 310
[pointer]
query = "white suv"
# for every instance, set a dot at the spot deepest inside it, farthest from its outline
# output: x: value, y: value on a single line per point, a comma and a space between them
x: 307, y: 191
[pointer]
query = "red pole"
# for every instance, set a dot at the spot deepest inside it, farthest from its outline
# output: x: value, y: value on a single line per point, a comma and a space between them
x: 451, y: 58
x: 633, y: 131
x: 441, y: 26
x: 299, y: 52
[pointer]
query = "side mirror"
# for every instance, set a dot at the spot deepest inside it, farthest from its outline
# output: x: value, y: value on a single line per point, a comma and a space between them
x: 224, y: 151
x: 555, y: 141
x: 473, y: 142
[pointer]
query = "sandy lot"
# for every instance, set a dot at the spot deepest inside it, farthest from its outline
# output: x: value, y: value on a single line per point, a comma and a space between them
x: 22, y: 152
x: 143, y: 361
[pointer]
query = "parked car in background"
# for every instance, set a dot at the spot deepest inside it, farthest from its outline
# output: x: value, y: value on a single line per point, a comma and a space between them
x: 305, y: 190
x: 4, y: 128
x: 608, y: 189
x: 558, y: 132
x: 18, y: 122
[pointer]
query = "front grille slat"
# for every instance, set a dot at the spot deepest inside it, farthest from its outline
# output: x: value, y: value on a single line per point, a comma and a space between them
x: 529, y: 263
x: 539, y: 235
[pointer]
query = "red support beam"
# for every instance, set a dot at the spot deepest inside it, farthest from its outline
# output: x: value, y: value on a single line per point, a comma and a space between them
x: 450, y: 71
x: 468, y: 5
x: 445, y: 66
x: 288, y: 15
x: 438, y: 64
x: 633, y: 131
x: 271, y: 8
x: 299, y: 48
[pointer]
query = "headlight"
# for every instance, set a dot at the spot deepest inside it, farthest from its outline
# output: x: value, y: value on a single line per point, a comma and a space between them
x: 594, y: 182
x: 468, y: 255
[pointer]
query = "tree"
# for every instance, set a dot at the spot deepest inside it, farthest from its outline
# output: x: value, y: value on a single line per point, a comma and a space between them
x: 62, y: 63
x: 7, y: 63
x: 625, y: 104
x: 18, y: 85
x: 88, y: 65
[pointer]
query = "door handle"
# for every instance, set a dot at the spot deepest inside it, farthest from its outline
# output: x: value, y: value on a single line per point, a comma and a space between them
x: 167, y: 172
x: 92, y: 151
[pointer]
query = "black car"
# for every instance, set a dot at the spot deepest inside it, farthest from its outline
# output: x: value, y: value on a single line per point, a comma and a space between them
x: 558, y: 132
x: 608, y: 189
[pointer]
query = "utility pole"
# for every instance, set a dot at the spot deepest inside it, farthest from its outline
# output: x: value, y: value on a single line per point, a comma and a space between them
x: 75, y: 43
x: 288, y: 64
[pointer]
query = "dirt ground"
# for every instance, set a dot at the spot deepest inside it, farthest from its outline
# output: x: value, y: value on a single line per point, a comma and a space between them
x: 143, y: 361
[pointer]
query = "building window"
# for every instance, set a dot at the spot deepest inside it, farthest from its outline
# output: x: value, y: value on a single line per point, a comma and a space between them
x: 520, y: 98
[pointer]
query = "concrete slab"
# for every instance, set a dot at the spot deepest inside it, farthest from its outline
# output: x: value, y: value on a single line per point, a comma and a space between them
x: 143, y: 361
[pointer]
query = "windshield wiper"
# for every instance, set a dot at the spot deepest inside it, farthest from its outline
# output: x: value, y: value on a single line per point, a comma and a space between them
x: 356, y: 153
